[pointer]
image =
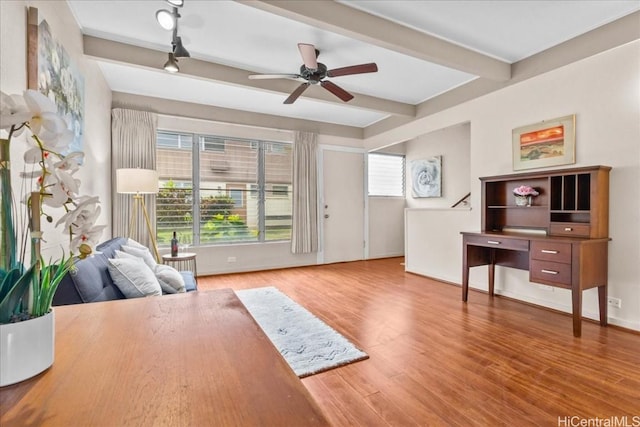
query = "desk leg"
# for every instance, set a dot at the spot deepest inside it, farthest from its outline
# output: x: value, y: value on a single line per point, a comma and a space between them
x: 465, y: 275
x: 492, y: 277
x: 576, y: 300
x: 602, y: 301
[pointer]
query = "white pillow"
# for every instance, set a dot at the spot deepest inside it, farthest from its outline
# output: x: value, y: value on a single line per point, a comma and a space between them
x: 142, y: 253
x: 133, y: 278
x: 135, y: 244
x: 169, y: 277
x: 165, y: 284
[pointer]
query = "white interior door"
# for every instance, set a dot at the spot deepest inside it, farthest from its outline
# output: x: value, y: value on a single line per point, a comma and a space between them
x: 343, y: 206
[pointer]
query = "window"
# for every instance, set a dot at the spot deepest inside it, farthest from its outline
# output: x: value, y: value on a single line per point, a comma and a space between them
x: 386, y: 174
x: 222, y: 190
x: 281, y: 190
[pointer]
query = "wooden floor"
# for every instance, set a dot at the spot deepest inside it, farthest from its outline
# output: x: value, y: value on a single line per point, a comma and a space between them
x: 435, y: 361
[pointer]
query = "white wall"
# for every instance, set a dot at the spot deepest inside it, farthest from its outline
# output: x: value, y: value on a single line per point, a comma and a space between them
x: 453, y: 144
x: 386, y: 227
x: 604, y: 93
x: 95, y: 173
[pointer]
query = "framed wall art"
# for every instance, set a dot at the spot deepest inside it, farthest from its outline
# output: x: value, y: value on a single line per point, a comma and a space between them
x: 426, y: 177
x: 51, y: 71
x: 548, y: 143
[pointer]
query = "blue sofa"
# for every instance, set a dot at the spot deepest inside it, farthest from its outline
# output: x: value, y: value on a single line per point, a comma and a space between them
x: 90, y: 280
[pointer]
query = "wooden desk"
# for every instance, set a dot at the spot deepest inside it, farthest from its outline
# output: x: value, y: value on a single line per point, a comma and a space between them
x: 193, y: 359
x: 571, y: 263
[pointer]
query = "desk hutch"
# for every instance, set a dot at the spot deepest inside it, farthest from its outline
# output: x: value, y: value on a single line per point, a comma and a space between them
x: 561, y: 239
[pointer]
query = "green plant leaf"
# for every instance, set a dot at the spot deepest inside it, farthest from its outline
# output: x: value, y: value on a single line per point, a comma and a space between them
x: 14, y: 286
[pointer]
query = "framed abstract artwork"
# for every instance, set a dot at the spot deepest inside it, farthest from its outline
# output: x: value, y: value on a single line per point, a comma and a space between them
x: 51, y: 71
x: 426, y: 177
x: 548, y: 143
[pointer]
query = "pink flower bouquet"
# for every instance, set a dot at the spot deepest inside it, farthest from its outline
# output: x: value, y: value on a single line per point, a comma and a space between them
x: 525, y: 190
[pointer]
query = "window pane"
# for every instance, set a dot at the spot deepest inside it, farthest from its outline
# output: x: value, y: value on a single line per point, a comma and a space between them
x: 228, y: 213
x: 175, y: 199
x: 386, y: 175
x: 278, y: 202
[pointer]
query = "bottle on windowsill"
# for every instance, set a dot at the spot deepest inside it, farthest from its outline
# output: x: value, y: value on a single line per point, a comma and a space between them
x: 174, y: 245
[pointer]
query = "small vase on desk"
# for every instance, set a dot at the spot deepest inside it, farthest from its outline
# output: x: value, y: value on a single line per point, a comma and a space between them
x: 523, y: 200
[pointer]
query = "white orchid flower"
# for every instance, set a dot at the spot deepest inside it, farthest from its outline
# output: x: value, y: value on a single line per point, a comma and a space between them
x: 45, y: 122
x: 57, y: 195
x: 13, y: 111
x: 86, y: 218
x: 83, y: 203
x: 89, y: 236
x: 71, y: 162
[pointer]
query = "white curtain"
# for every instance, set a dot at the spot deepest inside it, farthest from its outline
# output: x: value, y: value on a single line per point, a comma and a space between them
x: 133, y: 145
x: 304, y: 234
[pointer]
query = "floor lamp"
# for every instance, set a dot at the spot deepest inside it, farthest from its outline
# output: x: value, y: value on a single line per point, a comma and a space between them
x: 139, y: 182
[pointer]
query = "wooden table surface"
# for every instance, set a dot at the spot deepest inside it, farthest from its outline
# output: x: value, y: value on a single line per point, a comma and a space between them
x: 191, y: 359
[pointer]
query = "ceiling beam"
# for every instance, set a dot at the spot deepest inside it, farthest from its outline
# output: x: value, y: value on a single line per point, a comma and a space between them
x: 354, y: 23
x: 227, y: 115
x: 108, y: 50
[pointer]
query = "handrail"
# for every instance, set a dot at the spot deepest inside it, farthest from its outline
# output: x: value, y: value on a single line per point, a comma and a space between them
x: 461, y: 200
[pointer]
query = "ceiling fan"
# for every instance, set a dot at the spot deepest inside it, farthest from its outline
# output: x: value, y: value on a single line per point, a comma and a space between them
x: 314, y: 72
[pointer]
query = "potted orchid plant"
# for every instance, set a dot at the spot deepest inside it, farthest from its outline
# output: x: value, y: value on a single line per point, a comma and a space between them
x: 524, y: 194
x: 28, y: 283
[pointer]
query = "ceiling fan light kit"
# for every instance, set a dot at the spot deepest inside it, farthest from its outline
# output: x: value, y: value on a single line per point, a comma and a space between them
x: 169, y: 21
x: 313, y: 72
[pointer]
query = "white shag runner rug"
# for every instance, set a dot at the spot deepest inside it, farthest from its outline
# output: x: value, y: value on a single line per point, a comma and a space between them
x: 307, y: 343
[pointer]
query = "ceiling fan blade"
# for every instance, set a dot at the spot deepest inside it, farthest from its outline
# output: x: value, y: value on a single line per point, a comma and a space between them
x: 273, y: 76
x: 336, y: 90
x: 353, y: 69
x: 309, y: 56
x: 296, y: 93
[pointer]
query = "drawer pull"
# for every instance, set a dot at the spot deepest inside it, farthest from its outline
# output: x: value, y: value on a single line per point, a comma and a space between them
x: 547, y: 251
x: 549, y: 271
x: 568, y: 229
x: 493, y: 242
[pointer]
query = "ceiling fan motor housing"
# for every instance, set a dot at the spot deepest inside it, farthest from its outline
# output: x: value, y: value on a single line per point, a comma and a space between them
x: 313, y: 76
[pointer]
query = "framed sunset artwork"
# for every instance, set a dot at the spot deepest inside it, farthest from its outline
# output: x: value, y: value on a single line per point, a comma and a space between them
x: 548, y: 143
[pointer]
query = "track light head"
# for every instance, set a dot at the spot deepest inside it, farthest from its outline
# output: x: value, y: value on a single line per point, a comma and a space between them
x: 175, y: 3
x: 166, y: 19
x: 172, y: 64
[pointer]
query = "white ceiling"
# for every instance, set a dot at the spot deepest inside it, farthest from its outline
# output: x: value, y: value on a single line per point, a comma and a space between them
x: 256, y: 37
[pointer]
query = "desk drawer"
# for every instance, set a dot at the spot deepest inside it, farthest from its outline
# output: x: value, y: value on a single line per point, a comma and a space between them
x: 498, y: 242
x: 569, y: 229
x: 547, y: 271
x: 551, y: 251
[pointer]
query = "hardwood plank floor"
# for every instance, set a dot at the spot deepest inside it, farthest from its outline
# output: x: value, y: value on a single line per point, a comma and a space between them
x: 436, y: 361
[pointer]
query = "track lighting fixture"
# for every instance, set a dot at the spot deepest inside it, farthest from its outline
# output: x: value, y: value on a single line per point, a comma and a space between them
x: 172, y: 64
x: 179, y: 51
x: 169, y: 21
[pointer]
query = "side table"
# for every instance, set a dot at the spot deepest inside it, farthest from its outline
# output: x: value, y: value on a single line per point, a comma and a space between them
x: 182, y: 261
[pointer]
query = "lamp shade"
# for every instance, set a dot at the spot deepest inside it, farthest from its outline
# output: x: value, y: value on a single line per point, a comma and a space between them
x: 137, y: 181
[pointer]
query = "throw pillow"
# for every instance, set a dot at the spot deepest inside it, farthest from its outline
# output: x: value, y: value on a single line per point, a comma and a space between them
x: 170, y: 277
x: 133, y: 278
x: 135, y: 244
x: 142, y: 253
x: 167, y: 288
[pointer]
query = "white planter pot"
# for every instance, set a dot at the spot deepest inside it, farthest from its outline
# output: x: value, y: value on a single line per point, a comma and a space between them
x: 26, y: 348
